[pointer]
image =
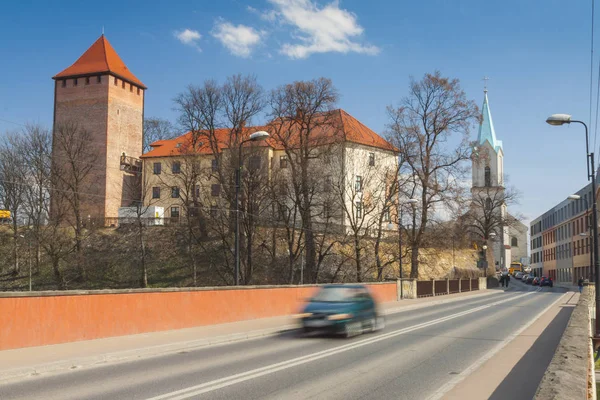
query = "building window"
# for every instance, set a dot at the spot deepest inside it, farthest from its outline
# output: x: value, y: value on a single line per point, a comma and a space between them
x: 254, y: 163
x: 116, y: 81
x: 122, y: 84
x: 64, y: 83
x: 176, y: 167
x: 75, y: 82
x: 358, y: 210
x: 358, y: 183
x: 371, y: 159
x: 197, y: 191
x: 514, y: 242
x: 87, y: 80
x: 99, y: 79
x: 283, y: 162
x: 138, y: 91
x: 215, y: 190
x: 157, y: 168
x: 488, y: 177
x: 175, y: 192
x: 488, y: 203
x: 174, y: 212
x: 326, y: 211
x: 131, y: 88
x: 327, y: 185
x: 388, y: 215
x: 214, y: 164
x: 156, y: 192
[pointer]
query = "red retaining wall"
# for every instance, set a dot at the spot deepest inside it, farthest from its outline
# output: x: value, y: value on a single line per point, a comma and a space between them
x: 44, y: 318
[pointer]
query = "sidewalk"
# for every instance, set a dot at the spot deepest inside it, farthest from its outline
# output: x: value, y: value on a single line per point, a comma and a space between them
x: 20, y: 363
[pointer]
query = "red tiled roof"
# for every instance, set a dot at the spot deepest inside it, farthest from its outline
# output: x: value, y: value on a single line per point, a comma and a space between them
x: 100, y: 58
x: 341, y: 127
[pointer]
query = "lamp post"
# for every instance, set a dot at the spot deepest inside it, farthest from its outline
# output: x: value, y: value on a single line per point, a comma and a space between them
x: 400, y: 204
x: 592, y: 263
x: 255, y: 137
x: 561, y: 119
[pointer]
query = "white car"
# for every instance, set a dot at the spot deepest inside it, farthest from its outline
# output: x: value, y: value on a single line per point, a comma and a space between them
x: 519, y: 275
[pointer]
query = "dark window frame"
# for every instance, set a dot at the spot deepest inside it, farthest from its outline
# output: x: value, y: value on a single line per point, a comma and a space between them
x: 156, y: 170
x: 156, y: 192
x: 175, y: 192
x: 176, y: 167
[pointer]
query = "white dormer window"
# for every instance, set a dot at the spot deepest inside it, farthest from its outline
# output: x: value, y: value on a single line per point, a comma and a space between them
x: 178, y: 145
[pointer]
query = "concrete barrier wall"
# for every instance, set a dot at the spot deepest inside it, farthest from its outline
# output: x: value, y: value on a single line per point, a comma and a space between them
x: 43, y: 318
x: 567, y: 376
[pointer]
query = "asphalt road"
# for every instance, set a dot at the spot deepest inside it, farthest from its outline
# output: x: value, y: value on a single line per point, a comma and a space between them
x: 417, y: 353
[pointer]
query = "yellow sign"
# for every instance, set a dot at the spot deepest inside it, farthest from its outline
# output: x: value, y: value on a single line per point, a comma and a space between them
x: 4, y: 214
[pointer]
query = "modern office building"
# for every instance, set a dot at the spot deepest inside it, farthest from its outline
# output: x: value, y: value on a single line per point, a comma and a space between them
x: 560, y: 239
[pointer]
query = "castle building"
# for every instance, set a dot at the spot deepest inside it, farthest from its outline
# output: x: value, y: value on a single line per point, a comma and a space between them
x: 104, y: 100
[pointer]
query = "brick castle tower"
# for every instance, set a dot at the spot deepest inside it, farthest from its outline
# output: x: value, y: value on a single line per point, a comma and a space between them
x: 102, y: 96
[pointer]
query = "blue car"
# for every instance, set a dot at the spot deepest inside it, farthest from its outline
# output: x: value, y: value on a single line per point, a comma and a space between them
x: 346, y: 310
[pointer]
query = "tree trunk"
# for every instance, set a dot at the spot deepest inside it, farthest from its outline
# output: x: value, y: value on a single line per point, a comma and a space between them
x: 357, y: 251
x: 414, y: 261
x: 60, y: 282
x: 16, y: 269
x: 144, y: 277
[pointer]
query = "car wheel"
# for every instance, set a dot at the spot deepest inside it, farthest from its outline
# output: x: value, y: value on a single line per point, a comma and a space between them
x: 352, y: 328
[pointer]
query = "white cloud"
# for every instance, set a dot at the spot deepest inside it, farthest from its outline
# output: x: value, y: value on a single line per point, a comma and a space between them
x: 240, y: 40
x: 189, y: 37
x: 319, y: 29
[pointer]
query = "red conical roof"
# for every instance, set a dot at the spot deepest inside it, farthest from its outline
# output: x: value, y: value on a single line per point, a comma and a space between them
x: 100, y: 58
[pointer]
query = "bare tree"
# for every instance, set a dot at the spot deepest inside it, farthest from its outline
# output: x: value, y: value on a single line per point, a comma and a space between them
x: 74, y: 169
x: 156, y: 129
x: 35, y: 148
x: 435, y: 109
x: 300, y: 113
x: 13, y: 182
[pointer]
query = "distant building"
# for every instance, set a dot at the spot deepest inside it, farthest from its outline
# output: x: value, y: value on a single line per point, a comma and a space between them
x: 185, y: 170
x: 560, y: 239
x: 510, y: 243
x: 102, y: 96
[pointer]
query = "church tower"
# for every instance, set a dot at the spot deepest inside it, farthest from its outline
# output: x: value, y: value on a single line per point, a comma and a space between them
x: 488, y: 180
x: 101, y: 96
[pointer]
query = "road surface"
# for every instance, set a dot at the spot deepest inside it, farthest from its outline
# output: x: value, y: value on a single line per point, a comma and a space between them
x: 417, y: 353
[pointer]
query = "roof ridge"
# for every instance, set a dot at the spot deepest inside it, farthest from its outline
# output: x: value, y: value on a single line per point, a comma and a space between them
x: 104, y: 51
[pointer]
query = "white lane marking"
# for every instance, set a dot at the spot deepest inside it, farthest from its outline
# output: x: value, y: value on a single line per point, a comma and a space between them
x: 459, y: 378
x: 269, y: 369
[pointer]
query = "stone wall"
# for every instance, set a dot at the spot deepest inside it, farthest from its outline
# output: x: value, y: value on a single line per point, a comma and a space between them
x: 568, y: 374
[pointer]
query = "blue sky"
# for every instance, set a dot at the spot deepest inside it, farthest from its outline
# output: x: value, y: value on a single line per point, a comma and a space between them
x: 537, y: 54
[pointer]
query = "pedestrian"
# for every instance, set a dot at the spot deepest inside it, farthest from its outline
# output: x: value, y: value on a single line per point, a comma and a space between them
x: 502, y: 280
x: 580, y: 284
x: 507, y: 280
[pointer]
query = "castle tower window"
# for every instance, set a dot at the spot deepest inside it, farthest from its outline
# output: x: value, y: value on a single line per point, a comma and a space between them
x: 75, y: 82
x: 488, y: 177
x: 131, y: 88
x: 99, y: 79
x: 87, y: 80
x: 122, y: 84
x: 116, y: 81
x: 138, y: 91
x: 64, y: 83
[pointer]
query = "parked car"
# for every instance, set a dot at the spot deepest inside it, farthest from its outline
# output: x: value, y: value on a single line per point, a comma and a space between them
x: 524, y: 277
x: 518, y: 275
x: 546, y: 281
x: 535, y: 281
x: 347, y: 310
x: 529, y: 279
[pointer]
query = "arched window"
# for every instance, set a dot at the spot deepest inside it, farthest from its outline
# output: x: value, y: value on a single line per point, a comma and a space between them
x: 514, y: 242
x: 488, y: 177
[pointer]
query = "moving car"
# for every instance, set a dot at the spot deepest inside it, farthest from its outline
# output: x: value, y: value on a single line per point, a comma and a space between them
x: 535, y: 281
x: 529, y: 279
x: 347, y: 310
x: 546, y: 281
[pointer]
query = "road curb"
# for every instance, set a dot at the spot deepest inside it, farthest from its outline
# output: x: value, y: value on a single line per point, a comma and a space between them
x: 172, y: 348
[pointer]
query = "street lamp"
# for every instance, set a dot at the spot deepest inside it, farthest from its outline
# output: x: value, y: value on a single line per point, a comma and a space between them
x: 578, y: 197
x: 400, y: 204
x: 255, y: 137
x: 560, y: 119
